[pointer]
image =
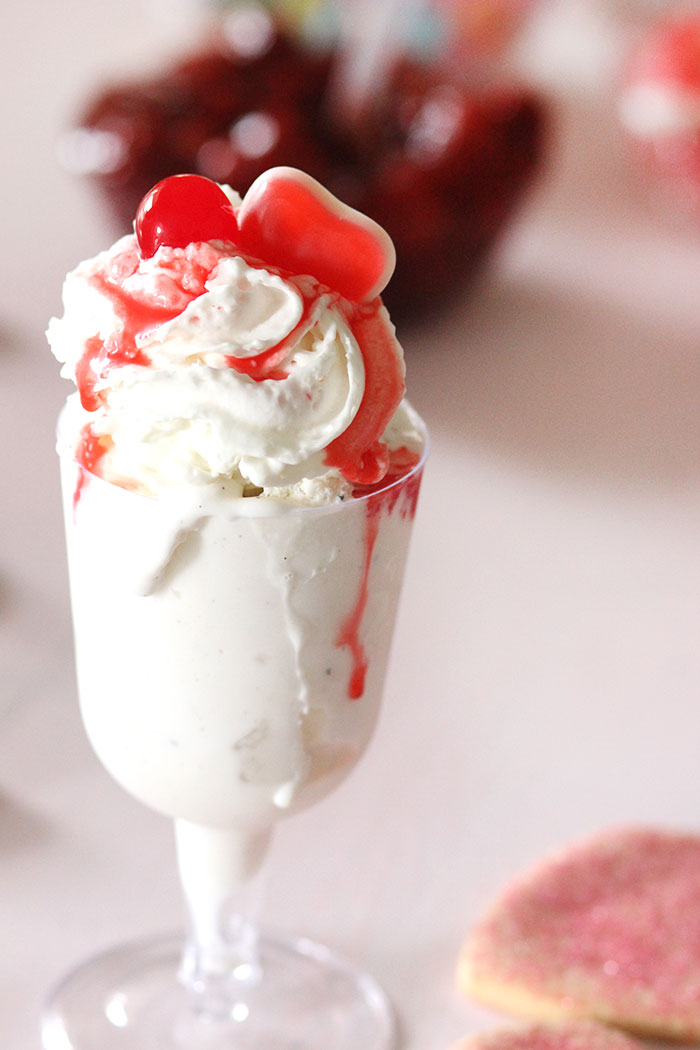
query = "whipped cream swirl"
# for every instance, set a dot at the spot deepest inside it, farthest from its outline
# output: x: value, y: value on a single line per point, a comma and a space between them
x: 198, y: 366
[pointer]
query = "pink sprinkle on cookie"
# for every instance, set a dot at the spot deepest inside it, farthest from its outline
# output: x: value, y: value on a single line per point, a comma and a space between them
x: 608, y: 929
x: 575, y: 1035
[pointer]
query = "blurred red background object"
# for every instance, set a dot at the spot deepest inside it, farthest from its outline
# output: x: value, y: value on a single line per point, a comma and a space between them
x: 438, y: 164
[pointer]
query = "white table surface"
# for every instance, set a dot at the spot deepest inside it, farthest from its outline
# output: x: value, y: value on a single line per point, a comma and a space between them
x: 546, y: 668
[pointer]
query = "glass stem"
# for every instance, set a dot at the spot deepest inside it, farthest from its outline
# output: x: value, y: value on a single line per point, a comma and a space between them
x: 219, y: 871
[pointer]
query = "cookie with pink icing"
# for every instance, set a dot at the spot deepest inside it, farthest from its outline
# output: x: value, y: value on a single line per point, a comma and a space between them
x: 574, y: 1035
x: 608, y: 929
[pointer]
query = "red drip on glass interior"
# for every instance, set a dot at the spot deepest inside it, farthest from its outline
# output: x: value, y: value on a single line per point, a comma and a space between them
x: 383, y: 498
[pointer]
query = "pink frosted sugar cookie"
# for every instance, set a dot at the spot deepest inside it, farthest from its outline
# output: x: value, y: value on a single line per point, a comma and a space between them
x: 608, y: 929
x: 576, y: 1035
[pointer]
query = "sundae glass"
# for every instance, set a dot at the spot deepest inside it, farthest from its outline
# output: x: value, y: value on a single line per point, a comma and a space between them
x: 240, y: 475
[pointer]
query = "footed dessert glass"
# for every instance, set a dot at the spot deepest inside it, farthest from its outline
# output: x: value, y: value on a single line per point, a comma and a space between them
x: 230, y: 668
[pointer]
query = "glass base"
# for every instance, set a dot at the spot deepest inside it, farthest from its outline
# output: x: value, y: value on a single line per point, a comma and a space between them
x: 130, y: 998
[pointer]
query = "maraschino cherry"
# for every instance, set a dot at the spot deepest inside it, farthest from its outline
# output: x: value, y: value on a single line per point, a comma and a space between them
x: 182, y: 209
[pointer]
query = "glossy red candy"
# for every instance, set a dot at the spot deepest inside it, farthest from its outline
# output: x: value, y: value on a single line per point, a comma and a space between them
x: 182, y: 209
x: 290, y: 219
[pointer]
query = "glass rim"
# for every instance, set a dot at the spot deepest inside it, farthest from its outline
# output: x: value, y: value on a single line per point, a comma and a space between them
x: 268, y: 505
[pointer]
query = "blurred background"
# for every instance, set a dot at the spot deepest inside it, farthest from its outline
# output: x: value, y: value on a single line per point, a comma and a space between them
x: 538, y: 165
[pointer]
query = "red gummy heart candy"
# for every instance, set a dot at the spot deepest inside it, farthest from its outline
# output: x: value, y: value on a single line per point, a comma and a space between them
x: 182, y: 209
x: 289, y: 218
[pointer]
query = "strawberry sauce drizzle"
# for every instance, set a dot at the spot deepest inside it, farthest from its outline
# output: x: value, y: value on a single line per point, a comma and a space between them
x: 265, y: 365
x: 136, y: 317
x: 88, y: 454
x: 382, y: 498
x: 358, y: 453
x: 349, y: 633
x: 120, y: 348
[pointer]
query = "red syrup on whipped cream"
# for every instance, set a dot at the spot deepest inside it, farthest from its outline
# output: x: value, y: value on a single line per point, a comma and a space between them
x: 285, y: 216
x: 357, y: 453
